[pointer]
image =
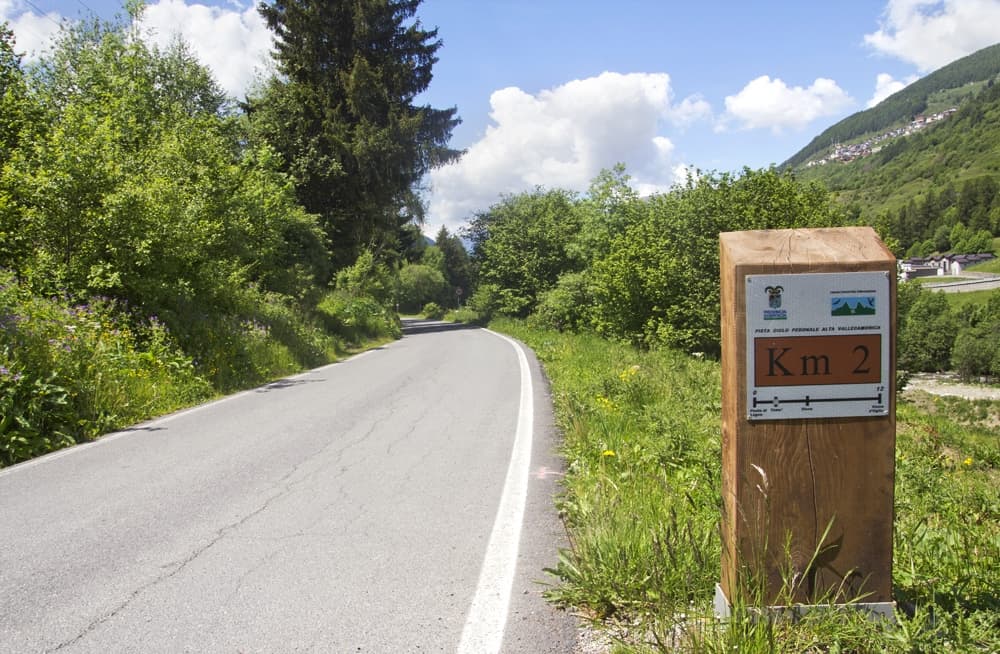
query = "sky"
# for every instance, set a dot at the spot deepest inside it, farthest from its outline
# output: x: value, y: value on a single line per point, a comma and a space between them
x: 552, y: 91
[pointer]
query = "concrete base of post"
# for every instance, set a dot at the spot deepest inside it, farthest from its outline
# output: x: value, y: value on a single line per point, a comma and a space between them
x: 875, y: 610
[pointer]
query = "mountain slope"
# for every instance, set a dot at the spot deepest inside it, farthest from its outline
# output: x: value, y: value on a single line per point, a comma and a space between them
x: 950, y: 153
x: 945, y: 84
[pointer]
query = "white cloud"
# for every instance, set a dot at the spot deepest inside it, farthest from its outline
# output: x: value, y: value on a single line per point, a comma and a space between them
x: 886, y: 85
x: 767, y: 103
x: 690, y: 110
x: 561, y: 138
x: 932, y: 33
x: 234, y: 44
x: 33, y: 34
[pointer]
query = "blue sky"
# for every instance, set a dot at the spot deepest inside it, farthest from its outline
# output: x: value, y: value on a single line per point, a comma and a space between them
x: 551, y: 91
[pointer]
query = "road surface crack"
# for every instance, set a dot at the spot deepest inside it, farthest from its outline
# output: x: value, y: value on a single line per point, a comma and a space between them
x: 285, y: 487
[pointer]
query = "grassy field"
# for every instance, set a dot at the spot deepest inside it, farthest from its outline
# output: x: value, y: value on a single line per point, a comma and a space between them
x: 988, y: 267
x: 958, y: 301
x: 642, y: 503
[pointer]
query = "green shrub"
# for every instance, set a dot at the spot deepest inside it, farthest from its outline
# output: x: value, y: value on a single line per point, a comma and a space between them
x: 977, y: 351
x: 263, y: 336
x: 357, y: 318
x: 485, y: 301
x: 369, y: 278
x: 927, y: 329
x: 465, y: 315
x: 565, y: 306
x: 69, y: 372
x: 418, y: 285
x: 35, y: 415
x: 433, y: 311
x: 659, y: 282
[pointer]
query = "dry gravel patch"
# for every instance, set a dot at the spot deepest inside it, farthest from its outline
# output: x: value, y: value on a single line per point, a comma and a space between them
x: 950, y: 384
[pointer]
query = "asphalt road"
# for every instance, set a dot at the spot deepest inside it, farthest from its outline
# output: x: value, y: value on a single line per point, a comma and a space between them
x: 981, y: 282
x: 348, y: 509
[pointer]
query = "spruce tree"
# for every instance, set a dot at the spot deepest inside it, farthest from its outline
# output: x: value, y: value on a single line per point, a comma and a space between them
x: 341, y: 113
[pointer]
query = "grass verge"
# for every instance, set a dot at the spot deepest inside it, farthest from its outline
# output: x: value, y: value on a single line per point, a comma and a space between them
x: 71, y: 371
x: 641, y: 502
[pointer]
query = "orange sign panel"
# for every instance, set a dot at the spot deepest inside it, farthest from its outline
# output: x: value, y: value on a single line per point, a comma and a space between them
x: 818, y: 360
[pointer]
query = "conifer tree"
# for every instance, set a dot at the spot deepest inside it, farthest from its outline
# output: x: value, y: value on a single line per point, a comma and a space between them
x: 342, y: 114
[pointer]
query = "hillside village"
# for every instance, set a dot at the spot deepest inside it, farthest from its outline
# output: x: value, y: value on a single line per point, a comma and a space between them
x: 940, y: 265
x: 844, y: 153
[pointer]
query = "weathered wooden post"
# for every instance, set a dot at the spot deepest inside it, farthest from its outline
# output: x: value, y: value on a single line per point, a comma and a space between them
x: 808, y: 418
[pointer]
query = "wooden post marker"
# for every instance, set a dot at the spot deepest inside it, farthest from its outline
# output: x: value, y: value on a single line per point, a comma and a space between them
x: 808, y: 418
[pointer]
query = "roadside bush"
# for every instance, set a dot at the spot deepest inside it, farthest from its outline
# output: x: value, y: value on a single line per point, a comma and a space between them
x: 485, y: 301
x: 356, y: 318
x: 565, y: 306
x: 369, y: 278
x: 977, y: 351
x: 69, y: 372
x: 465, y: 315
x: 433, y: 311
x: 35, y: 415
x: 261, y: 336
x: 659, y: 282
x: 926, y: 331
x: 418, y: 285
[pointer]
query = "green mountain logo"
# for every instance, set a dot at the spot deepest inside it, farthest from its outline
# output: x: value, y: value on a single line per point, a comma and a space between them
x: 853, y: 306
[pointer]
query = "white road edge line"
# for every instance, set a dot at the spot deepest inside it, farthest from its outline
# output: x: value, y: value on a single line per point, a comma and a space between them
x: 484, y: 627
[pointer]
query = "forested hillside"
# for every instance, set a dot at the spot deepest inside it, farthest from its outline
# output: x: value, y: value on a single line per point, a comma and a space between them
x: 928, y: 184
x: 920, y: 188
x: 903, y: 106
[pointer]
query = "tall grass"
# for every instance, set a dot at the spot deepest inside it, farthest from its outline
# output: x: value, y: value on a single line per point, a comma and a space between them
x: 71, y: 370
x: 642, y: 503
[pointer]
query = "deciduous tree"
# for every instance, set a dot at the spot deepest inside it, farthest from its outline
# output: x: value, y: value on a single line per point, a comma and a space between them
x: 659, y: 282
x: 522, y: 246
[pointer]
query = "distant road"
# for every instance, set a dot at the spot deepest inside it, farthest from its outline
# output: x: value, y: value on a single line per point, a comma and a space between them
x: 981, y: 282
x: 348, y: 509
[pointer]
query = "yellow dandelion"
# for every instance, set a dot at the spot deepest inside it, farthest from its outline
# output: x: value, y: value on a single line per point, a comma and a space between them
x: 628, y: 373
x: 608, y: 453
x: 967, y: 462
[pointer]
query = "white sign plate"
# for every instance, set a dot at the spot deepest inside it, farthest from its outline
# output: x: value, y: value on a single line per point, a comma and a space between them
x: 818, y: 345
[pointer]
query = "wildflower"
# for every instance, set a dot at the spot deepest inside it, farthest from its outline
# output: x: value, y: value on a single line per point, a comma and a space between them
x: 968, y: 461
x: 608, y: 453
x: 628, y: 373
x: 4, y: 372
x: 605, y: 403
